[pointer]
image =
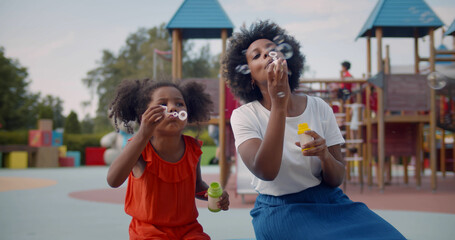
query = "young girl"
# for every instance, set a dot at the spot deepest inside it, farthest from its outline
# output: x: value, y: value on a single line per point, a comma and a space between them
x: 161, y: 164
x: 298, y: 190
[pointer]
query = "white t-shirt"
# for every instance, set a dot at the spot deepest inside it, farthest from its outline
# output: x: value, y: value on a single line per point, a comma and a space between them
x: 297, y: 172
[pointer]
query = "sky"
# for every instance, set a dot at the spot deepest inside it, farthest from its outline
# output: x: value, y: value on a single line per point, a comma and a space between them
x: 60, y: 41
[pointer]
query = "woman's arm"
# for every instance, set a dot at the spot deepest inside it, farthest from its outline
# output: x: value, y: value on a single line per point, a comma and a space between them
x: 263, y: 157
x: 332, y: 163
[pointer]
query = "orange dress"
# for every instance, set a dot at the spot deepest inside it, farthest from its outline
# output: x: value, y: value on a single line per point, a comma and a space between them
x: 162, y: 201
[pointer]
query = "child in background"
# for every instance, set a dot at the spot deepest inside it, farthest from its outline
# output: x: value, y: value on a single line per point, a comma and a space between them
x: 161, y: 164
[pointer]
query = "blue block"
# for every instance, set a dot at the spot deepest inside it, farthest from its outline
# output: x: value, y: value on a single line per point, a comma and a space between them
x: 77, y: 157
x: 57, y: 139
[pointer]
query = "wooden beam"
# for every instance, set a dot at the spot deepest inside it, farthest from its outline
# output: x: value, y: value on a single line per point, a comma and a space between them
x: 179, y: 54
x: 174, y: 54
x: 437, y: 59
x: 432, y: 133
x: 224, y: 168
x: 369, y: 155
x: 416, y: 52
x: 380, y: 113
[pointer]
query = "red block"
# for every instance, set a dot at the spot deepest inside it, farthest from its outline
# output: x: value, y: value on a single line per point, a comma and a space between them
x: 94, y: 156
x: 39, y: 138
x: 66, y: 161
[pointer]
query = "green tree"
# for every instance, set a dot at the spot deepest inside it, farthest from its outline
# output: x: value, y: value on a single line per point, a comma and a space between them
x: 17, y: 105
x: 135, y: 61
x: 87, y: 125
x: 72, y: 123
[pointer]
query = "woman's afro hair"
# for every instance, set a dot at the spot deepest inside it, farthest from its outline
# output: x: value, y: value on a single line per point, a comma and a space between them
x: 240, y: 84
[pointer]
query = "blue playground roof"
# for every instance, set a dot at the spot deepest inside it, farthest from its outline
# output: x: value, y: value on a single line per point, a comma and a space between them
x: 451, y: 29
x: 200, y: 19
x: 399, y: 18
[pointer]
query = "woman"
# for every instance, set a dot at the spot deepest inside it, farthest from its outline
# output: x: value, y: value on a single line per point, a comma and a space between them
x: 298, y: 190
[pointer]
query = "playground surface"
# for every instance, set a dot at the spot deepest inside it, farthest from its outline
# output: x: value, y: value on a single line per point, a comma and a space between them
x: 77, y: 203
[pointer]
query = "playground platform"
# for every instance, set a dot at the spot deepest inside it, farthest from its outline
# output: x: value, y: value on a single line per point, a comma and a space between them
x: 77, y: 203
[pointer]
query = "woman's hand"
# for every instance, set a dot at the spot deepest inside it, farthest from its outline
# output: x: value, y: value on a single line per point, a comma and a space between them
x: 150, y: 118
x: 317, y: 147
x: 277, y: 81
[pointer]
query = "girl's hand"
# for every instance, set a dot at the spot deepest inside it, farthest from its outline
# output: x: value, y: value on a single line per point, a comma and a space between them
x: 317, y: 147
x: 223, y: 204
x: 150, y: 118
x: 277, y: 81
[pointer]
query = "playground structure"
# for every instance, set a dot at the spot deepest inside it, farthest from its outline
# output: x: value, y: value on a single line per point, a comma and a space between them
x: 207, y: 20
x: 414, y: 21
x: 405, y: 103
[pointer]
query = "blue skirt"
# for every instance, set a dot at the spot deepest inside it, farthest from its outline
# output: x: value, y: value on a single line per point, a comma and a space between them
x: 320, y: 212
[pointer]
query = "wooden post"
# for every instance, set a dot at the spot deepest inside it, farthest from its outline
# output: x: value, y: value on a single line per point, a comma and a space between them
x: 179, y: 54
x: 368, y: 116
x: 224, y: 171
x: 380, y: 113
x: 174, y: 54
x: 416, y: 52
x: 432, y: 133
x: 419, y: 148
x: 442, y: 154
x: 419, y: 155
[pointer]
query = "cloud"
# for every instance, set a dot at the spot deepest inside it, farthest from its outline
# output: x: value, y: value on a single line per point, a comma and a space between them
x: 48, y: 48
x: 308, y: 7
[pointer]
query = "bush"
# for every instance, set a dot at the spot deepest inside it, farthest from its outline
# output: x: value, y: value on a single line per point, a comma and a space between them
x: 14, y: 138
x: 201, y: 134
x: 78, y: 142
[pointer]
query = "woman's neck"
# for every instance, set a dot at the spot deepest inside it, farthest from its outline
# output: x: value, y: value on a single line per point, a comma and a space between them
x: 169, y: 148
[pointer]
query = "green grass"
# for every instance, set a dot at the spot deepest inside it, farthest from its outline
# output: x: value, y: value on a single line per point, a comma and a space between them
x: 208, y: 152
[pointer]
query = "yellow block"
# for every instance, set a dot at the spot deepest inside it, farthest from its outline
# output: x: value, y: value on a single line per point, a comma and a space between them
x: 17, y: 159
x: 62, y: 151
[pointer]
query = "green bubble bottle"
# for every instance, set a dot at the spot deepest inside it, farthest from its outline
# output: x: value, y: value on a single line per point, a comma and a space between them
x: 214, y: 192
x: 304, y: 138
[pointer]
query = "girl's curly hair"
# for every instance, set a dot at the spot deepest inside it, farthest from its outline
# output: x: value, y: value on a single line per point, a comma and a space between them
x: 133, y: 96
x: 240, y: 84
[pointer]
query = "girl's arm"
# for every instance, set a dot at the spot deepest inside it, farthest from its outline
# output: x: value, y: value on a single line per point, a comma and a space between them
x: 126, y: 161
x: 201, y: 190
x: 128, y: 158
x: 201, y: 186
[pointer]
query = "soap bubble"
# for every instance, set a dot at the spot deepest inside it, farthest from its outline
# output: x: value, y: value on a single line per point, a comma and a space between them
x: 436, y: 80
x: 183, y: 115
x: 243, y: 69
x: 244, y: 51
x: 289, y: 72
x: 279, y: 39
x: 273, y: 55
x: 286, y: 50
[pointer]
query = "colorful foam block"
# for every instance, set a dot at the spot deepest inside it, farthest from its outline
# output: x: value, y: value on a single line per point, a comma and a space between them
x: 57, y: 138
x: 66, y: 161
x: 38, y: 138
x: 62, y: 151
x: 77, y: 157
x: 46, y: 157
x: 16, y: 160
x: 45, y: 124
x: 94, y: 155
